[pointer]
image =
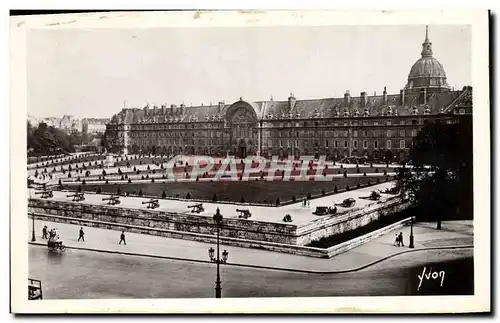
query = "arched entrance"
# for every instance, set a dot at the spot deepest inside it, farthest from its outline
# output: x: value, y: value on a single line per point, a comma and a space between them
x: 243, y: 135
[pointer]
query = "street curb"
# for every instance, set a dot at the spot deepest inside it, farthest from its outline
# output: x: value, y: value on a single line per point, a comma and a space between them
x: 266, y: 267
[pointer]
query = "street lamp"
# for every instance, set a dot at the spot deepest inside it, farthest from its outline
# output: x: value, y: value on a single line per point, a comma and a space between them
x: 216, y: 258
x: 411, y: 245
x: 33, y: 239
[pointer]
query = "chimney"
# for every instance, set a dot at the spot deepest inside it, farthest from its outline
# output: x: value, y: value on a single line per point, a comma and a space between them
x: 172, y: 109
x: 291, y: 102
x: 347, y: 99
x: 146, y: 110
x: 402, y: 97
x: 364, y: 100
x: 221, y: 106
x: 385, y: 95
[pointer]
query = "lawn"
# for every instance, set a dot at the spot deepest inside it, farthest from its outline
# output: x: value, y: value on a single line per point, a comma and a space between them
x: 251, y: 191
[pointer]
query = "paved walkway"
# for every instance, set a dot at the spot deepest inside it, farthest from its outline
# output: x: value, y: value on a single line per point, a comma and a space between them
x: 142, y: 244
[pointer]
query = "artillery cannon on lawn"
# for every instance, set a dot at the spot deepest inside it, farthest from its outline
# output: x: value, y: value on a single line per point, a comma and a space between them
x: 152, y: 204
x: 198, y: 208
x: 77, y: 197
x: 112, y: 200
x: 348, y: 202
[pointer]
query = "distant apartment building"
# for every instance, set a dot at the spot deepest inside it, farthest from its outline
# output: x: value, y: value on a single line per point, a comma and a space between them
x: 69, y: 124
x: 94, y: 125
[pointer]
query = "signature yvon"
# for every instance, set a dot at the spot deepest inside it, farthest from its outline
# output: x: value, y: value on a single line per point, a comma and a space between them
x: 435, y: 275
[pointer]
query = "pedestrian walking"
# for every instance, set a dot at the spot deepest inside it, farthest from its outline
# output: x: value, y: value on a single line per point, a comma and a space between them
x: 81, y: 236
x: 396, y: 240
x: 401, y: 239
x: 44, y: 230
x: 304, y: 204
x: 122, y: 238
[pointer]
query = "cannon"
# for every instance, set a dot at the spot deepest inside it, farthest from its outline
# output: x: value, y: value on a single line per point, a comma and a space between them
x: 374, y: 195
x: 77, y: 197
x: 152, y: 204
x: 244, y: 213
x: 349, y: 202
x: 45, y: 194
x: 112, y: 200
x: 198, y: 208
x: 324, y: 210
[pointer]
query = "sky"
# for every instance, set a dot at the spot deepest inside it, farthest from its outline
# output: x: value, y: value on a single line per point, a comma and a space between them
x: 97, y: 72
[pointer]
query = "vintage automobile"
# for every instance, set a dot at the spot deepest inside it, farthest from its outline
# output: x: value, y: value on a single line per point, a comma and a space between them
x: 324, y: 210
x: 54, y: 244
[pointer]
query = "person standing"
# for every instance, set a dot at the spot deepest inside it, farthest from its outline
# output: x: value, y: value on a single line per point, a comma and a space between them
x: 44, y: 230
x: 122, y: 238
x: 81, y: 236
x: 401, y: 239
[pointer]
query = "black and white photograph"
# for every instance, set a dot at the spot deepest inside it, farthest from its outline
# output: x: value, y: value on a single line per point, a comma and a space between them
x: 270, y: 159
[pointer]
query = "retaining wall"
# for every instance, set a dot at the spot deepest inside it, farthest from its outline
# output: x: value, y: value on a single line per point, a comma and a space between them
x: 286, y: 238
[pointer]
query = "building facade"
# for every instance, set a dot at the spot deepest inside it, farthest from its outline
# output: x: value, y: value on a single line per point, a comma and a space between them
x: 376, y: 127
x: 94, y: 125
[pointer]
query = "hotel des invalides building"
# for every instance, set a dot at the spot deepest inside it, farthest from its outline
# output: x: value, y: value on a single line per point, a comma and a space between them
x: 375, y: 127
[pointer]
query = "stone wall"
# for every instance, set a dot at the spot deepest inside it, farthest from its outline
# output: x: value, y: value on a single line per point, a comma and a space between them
x: 354, y: 218
x: 286, y: 238
x: 233, y: 228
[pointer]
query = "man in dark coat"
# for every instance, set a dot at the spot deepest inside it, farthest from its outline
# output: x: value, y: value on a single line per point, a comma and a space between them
x: 122, y: 238
x: 81, y: 235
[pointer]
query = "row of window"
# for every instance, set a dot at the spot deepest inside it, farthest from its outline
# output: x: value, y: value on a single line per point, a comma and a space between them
x: 355, y: 133
x: 336, y: 144
x: 344, y: 144
x: 246, y: 133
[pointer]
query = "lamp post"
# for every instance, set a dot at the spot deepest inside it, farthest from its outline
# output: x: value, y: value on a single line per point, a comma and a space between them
x: 218, y: 223
x: 33, y: 239
x: 411, y: 245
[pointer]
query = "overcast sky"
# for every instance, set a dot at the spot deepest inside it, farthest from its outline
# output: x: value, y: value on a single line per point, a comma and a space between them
x: 94, y: 72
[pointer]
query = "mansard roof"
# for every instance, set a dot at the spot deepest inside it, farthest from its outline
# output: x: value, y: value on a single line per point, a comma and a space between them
x: 435, y: 103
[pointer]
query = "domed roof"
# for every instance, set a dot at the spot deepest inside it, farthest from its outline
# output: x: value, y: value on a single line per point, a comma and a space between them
x: 427, y: 72
x: 427, y: 67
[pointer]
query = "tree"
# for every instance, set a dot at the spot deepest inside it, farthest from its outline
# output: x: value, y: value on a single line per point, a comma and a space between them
x: 140, y: 192
x: 214, y: 198
x: 242, y: 200
x: 188, y: 196
x: 278, y: 201
x: 163, y: 195
x: 440, y: 183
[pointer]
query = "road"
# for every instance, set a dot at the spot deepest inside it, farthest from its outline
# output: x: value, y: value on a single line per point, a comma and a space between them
x: 78, y: 274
